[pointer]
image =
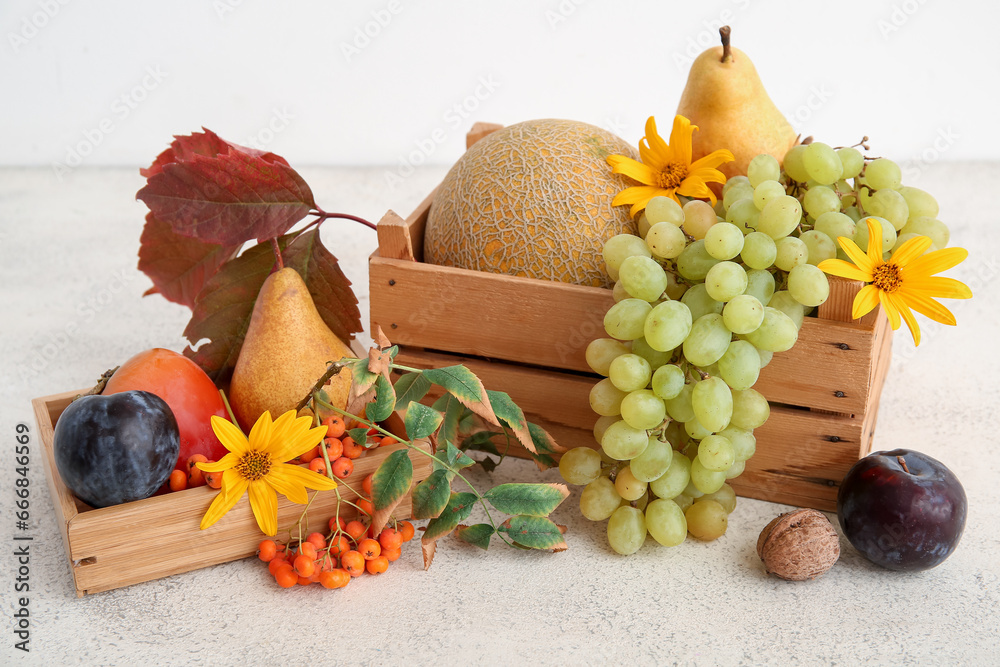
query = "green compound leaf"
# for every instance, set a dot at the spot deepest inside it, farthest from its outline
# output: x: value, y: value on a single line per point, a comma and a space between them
x: 359, y: 435
x: 457, y: 510
x: 478, y: 535
x: 385, y: 400
x: 534, y: 532
x: 392, y: 480
x: 430, y: 496
x: 411, y: 387
x: 452, y: 416
x: 512, y: 417
x: 463, y: 384
x: 545, y: 447
x: 527, y: 499
x: 421, y: 421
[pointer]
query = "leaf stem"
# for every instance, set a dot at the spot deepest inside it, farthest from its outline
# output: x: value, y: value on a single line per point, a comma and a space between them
x: 277, y: 253
x: 323, y: 215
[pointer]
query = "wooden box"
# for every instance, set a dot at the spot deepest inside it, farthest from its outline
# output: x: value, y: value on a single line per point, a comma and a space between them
x: 528, y: 337
x: 126, y: 544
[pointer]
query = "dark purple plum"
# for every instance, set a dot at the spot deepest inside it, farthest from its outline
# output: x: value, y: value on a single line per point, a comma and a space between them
x: 115, y: 449
x: 902, y: 509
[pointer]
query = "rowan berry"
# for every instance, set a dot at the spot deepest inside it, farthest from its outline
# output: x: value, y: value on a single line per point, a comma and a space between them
x: 304, y: 565
x: 366, y: 506
x: 390, y: 539
x: 309, y: 456
x: 334, y: 448
x: 267, y: 550
x: 213, y: 479
x: 355, y: 529
x: 335, y: 426
x: 178, y: 480
x: 377, y: 565
x: 352, y: 450
x: 354, y: 563
x: 339, y: 546
x: 343, y: 467
x: 386, y: 441
x: 366, y: 484
x: 335, y: 523
x: 392, y: 555
x: 285, y: 576
x: 406, y: 530
x: 318, y: 465
x: 317, y: 540
x: 369, y: 548
x: 336, y: 578
x: 308, y: 549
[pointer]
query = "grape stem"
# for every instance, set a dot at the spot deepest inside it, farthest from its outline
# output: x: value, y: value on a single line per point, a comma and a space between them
x: 727, y: 53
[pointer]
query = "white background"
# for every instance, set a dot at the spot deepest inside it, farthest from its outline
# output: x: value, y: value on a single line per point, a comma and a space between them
x: 303, y: 79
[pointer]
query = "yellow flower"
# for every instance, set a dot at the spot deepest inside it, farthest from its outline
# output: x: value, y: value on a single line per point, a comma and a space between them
x: 906, y: 281
x: 258, y: 464
x: 666, y: 169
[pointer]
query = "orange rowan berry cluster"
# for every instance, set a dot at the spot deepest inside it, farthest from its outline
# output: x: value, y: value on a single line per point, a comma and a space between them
x: 349, y: 550
x: 341, y: 449
x: 194, y: 476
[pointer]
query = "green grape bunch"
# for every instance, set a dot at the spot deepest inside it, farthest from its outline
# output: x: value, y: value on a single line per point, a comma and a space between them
x: 704, y: 297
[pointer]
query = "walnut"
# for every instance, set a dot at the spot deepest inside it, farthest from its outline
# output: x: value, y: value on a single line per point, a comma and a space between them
x: 799, y: 545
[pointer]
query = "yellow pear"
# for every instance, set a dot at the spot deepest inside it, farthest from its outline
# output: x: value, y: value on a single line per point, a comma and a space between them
x: 286, y: 350
x: 725, y: 98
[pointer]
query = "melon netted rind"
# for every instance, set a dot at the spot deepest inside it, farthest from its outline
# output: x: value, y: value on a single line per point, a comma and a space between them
x: 533, y: 200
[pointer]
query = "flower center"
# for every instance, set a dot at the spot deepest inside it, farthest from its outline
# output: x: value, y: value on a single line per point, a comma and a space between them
x: 254, y: 465
x: 886, y: 277
x: 671, y: 175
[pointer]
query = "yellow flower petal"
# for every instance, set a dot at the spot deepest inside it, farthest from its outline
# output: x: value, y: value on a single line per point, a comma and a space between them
x: 680, y: 139
x: 260, y: 434
x: 858, y: 256
x: 697, y: 189
x: 940, y: 287
x: 303, y: 477
x: 264, y: 503
x: 865, y: 301
x: 657, y: 145
x: 284, y: 423
x: 225, y: 463
x: 904, y: 310
x: 933, y: 262
x: 838, y: 267
x: 706, y: 174
x: 713, y: 159
x: 927, y: 306
x: 889, y: 309
x: 634, y: 170
x: 285, y: 484
x: 230, y: 435
x: 299, y: 440
x: 911, y: 249
x: 224, y: 501
x: 648, y: 156
x: 874, y: 241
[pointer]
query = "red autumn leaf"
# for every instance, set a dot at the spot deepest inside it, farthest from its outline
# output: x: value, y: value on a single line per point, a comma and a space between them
x: 228, y: 197
x: 222, y: 311
x: 179, y: 266
x: 206, y: 143
x: 329, y: 287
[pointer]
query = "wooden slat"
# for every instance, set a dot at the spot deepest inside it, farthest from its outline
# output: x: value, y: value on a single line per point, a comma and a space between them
x: 478, y: 131
x: 394, y: 237
x: 485, y: 314
x: 126, y: 544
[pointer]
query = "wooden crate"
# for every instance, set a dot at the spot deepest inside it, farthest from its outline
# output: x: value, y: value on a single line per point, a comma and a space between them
x: 528, y: 337
x: 126, y: 544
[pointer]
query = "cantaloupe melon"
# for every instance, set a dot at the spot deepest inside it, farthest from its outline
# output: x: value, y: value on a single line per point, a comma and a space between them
x: 532, y: 199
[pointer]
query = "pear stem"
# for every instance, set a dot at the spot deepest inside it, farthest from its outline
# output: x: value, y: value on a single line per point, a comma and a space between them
x: 727, y: 53
x: 277, y: 253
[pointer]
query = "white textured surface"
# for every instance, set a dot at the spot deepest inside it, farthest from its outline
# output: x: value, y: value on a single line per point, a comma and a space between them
x: 67, y: 255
